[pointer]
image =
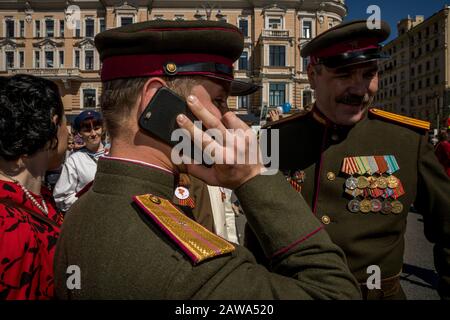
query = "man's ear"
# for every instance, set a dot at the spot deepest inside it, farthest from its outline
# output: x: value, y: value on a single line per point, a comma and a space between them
x: 312, y: 75
x: 148, y: 91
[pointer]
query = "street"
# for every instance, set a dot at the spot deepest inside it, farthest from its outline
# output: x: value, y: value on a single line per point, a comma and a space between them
x: 419, y: 278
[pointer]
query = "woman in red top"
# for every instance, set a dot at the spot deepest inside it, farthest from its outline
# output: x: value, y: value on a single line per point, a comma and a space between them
x: 33, y: 139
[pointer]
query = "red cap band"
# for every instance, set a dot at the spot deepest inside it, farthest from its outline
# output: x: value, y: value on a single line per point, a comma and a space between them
x: 346, y: 47
x: 151, y: 65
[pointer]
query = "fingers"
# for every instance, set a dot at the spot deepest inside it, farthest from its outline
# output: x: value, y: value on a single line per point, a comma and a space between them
x: 203, y: 173
x: 207, y: 118
x: 199, y: 137
x: 231, y: 121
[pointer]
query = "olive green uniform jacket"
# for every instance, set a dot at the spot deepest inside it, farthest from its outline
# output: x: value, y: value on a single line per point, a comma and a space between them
x: 122, y: 254
x: 312, y: 144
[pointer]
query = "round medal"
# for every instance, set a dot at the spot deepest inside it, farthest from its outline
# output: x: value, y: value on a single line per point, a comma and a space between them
x: 386, y: 207
x: 365, y: 206
x: 373, y: 182
x: 382, y: 182
x: 375, y: 205
x: 351, y: 183
x: 362, y: 182
x: 397, y: 207
x: 392, y: 182
x: 353, y: 206
x: 181, y: 193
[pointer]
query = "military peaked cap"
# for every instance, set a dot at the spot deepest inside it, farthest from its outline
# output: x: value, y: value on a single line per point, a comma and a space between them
x: 346, y: 44
x: 171, y: 48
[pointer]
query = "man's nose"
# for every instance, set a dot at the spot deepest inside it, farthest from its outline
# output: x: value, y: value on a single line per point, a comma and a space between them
x: 358, y: 85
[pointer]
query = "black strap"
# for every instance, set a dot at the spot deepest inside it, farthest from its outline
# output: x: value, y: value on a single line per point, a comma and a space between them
x: 203, y: 67
x: 38, y: 216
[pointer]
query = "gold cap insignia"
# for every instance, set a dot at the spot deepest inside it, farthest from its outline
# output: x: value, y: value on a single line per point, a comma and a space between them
x: 171, y: 68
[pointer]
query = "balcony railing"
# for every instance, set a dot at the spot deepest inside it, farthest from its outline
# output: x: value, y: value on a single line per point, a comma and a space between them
x: 55, y: 72
x: 276, y: 33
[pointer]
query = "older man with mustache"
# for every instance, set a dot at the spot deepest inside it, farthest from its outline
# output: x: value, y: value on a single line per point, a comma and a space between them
x: 361, y: 168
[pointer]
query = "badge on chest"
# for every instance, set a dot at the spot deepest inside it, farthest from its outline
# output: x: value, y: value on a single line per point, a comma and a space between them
x: 372, y: 185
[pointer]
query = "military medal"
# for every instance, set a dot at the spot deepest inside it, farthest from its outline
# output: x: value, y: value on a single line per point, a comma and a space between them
x: 382, y: 182
x: 362, y: 182
x: 354, y: 206
x: 351, y: 183
x: 386, y: 207
x: 365, y: 206
x: 375, y: 205
x: 397, y: 207
x: 373, y: 182
x: 392, y: 182
x: 182, y: 195
x: 354, y: 193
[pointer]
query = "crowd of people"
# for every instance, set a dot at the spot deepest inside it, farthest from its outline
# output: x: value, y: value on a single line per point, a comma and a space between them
x: 168, y: 231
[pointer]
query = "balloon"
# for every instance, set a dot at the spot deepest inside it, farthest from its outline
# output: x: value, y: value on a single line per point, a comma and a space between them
x: 286, y: 107
x: 280, y: 110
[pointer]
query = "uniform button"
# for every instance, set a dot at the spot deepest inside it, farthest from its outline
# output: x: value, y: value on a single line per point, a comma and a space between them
x: 331, y: 176
x: 335, y: 137
x: 326, y: 219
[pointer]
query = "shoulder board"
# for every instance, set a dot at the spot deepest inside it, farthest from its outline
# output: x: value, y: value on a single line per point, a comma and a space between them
x: 285, y: 120
x: 84, y: 189
x: 195, y: 240
x: 399, y: 119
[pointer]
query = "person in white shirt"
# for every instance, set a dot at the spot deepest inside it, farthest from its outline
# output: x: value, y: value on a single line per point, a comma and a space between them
x: 80, y: 167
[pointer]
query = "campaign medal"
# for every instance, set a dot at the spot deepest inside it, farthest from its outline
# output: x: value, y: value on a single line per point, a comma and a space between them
x: 373, y: 182
x: 386, y: 207
x: 397, y: 207
x: 182, y: 196
x: 362, y: 182
x: 354, y: 193
x: 365, y: 206
x: 351, y: 183
x: 382, y: 182
x: 354, y: 206
x: 375, y: 205
x: 392, y: 182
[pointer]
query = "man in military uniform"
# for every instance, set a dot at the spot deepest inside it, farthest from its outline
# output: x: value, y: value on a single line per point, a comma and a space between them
x: 128, y: 236
x: 360, y: 170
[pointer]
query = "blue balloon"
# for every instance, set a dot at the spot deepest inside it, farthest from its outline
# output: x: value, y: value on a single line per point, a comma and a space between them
x: 286, y: 107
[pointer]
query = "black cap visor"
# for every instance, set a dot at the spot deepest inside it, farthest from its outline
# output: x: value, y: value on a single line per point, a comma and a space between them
x: 237, y: 87
x: 352, y: 58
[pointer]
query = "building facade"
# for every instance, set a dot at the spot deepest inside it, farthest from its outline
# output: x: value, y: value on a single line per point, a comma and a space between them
x: 54, y: 39
x: 415, y: 81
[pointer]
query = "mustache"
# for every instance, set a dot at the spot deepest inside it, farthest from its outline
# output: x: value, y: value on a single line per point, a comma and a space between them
x: 354, y: 100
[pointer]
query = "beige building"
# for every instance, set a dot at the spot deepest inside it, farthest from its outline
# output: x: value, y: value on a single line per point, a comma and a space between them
x: 416, y: 80
x: 53, y: 39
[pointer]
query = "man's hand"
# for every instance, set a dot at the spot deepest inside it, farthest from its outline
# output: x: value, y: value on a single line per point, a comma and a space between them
x: 274, y: 115
x: 225, y: 171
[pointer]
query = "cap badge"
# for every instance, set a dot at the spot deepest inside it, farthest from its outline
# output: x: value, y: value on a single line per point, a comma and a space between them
x: 171, y: 68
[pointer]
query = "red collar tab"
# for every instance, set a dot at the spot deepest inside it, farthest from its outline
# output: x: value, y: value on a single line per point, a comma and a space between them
x: 154, y: 65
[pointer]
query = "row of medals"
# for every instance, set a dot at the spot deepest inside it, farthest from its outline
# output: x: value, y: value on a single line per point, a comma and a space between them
x: 362, y: 183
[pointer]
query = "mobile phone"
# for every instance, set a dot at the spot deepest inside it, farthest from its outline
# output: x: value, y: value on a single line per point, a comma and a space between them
x: 159, y: 117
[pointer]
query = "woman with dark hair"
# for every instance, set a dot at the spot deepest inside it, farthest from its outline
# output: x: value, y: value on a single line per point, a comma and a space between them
x: 79, y: 169
x: 33, y: 139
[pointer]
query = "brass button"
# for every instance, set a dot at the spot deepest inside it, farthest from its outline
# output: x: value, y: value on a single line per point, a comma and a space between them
x: 335, y: 137
x: 326, y: 219
x: 331, y: 176
x: 155, y: 199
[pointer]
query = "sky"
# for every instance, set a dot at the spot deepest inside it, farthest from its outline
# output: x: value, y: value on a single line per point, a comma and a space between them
x: 394, y: 10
